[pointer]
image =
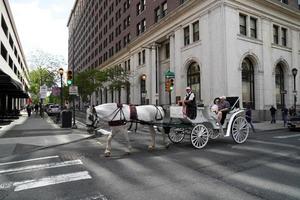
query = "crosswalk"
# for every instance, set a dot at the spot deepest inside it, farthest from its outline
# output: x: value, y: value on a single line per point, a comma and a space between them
x: 42, y: 172
x: 287, y: 136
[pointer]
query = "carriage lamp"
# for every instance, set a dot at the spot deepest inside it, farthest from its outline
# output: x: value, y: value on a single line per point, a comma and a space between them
x: 294, y: 72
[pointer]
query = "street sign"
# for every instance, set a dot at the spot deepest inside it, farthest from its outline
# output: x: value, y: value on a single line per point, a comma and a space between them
x: 295, y: 92
x: 43, y: 92
x: 169, y: 74
x: 73, y: 90
x: 283, y: 92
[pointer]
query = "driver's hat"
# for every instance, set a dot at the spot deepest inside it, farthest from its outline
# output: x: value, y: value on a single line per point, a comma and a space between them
x: 188, y: 88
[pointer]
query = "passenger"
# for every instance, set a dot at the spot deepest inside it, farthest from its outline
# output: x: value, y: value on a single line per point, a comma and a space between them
x: 189, y: 104
x: 215, y: 107
x: 223, y: 109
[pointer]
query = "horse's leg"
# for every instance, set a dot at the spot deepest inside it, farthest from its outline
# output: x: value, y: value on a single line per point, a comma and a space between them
x: 152, y: 133
x: 166, y: 143
x: 107, y: 151
x: 129, y: 147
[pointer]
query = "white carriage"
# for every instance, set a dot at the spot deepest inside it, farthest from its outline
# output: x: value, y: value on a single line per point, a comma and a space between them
x: 205, y: 126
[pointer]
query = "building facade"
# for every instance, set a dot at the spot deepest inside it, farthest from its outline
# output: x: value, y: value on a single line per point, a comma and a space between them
x: 14, y: 79
x: 218, y: 47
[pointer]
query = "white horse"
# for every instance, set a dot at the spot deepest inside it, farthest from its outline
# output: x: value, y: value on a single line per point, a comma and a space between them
x: 118, y: 114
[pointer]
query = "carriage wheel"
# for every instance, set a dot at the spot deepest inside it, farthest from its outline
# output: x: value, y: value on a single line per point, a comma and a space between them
x: 176, y: 135
x: 240, y: 130
x: 213, y: 134
x: 199, y: 136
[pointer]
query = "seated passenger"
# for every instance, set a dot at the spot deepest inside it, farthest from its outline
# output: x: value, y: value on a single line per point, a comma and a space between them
x: 215, y: 108
x: 223, y: 109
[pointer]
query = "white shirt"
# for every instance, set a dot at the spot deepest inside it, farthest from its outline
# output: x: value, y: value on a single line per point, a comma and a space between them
x: 192, y: 96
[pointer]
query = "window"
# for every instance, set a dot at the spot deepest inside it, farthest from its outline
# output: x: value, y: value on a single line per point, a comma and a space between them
x: 143, y: 56
x: 243, y: 24
x: 253, y: 27
x: 275, y: 34
x: 279, y: 82
x: 3, y: 52
x: 195, y: 31
x: 283, y: 36
x: 284, y: 1
x: 157, y: 14
x: 138, y: 8
x: 167, y: 52
x: 138, y: 28
x: 193, y: 80
x: 164, y: 9
x: 248, y: 83
x: 139, y: 56
x: 182, y: 1
x: 4, y: 26
x: 186, y: 31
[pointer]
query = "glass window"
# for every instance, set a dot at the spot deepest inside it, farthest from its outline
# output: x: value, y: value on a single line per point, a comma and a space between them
x: 275, y: 34
x: 193, y: 80
x: 164, y: 9
x: 253, y: 27
x: 279, y: 85
x: 186, y: 31
x: 167, y: 47
x: 283, y: 36
x: 157, y: 14
x: 248, y: 83
x: 195, y: 31
x: 243, y: 24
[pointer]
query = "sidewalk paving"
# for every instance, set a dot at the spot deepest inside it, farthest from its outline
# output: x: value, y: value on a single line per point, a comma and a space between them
x: 32, y: 133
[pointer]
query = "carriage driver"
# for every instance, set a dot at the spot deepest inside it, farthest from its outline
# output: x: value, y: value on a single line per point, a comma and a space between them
x: 189, y: 104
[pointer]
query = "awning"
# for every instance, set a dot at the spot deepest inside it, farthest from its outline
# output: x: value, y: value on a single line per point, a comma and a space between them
x: 11, y: 87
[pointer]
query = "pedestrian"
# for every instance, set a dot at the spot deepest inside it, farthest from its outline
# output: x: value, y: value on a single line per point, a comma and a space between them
x: 273, y: 113
x: 28, y: 108
x: 292, y: 111
x: 284, y: 112
x: 36, y: 109
x: 249, y: 116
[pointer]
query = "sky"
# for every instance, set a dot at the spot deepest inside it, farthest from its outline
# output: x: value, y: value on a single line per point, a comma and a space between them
x: 42, y: 25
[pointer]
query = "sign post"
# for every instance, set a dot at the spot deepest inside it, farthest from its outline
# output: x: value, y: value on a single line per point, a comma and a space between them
x: 43, y: 91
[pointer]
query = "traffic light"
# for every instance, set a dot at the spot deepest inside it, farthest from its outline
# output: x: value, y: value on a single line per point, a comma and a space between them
x: 167, y: 85
x: 69, y: 77
x: 171, y: 84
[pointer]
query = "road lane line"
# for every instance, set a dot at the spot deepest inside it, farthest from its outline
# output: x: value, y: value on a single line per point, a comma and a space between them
x: 41, y: 166
x: 46, y: 181
x: 287, y: 136
x: 29, y: 160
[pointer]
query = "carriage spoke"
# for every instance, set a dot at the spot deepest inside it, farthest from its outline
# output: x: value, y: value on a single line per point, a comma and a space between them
x: 199, y: 136
x: 240, y: 130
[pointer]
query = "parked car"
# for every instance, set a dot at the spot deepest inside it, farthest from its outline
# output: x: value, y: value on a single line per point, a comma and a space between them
x: 294, y: 122
x: 53, y: 110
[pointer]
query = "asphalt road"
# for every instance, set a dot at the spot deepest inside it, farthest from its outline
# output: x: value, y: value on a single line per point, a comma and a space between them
x: 265, y: 167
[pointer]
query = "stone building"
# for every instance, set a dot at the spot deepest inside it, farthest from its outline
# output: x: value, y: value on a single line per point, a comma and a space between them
x: 218, y: 47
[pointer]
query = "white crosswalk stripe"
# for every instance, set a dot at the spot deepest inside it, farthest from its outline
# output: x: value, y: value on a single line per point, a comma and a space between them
x: 26, y: 170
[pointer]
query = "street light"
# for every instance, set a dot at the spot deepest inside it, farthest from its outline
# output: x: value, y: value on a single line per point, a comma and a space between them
x: 294, y: 72
x: 61, y: 73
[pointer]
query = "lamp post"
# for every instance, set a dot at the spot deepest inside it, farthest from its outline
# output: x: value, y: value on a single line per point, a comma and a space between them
x: 294, y: 72
x: 61, y: 72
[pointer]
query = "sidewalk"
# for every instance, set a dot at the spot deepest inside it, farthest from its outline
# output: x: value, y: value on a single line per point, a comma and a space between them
x: 267, y: 126
x: 31, y: 133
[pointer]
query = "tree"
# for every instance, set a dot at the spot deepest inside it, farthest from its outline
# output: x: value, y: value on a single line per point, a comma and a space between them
x: 45, y: 71
x: 39, y: 77
x: 89, y: 81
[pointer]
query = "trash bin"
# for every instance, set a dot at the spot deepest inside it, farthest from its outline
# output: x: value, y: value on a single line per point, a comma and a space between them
x: 66, y: 119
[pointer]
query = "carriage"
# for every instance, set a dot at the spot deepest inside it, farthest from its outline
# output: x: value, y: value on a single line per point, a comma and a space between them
x: 205, y: 126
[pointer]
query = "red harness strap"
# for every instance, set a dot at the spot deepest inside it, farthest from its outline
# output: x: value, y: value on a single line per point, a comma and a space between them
x: 133, y: 113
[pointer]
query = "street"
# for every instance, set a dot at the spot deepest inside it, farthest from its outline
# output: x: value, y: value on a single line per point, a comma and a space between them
x: 265, y: 167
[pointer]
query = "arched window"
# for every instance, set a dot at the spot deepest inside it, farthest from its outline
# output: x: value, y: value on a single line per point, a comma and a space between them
x: 193, y: 80
x: 105, y: 95
x: 248, y: 83
x: 101, y: 93
x: 143, y: 89
x: 279, y: 85
x: 127, y: 92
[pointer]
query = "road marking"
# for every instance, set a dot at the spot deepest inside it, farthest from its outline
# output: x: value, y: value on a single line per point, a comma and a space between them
x: 29, y: 160
x: 287, y: 136
x: 41, y: 166
x: 46, y: 181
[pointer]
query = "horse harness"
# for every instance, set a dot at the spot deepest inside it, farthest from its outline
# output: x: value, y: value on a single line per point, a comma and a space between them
x: 133, y: 116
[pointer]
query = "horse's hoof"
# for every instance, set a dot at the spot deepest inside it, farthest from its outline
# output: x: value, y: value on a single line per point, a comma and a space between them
x: 107, y: 154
